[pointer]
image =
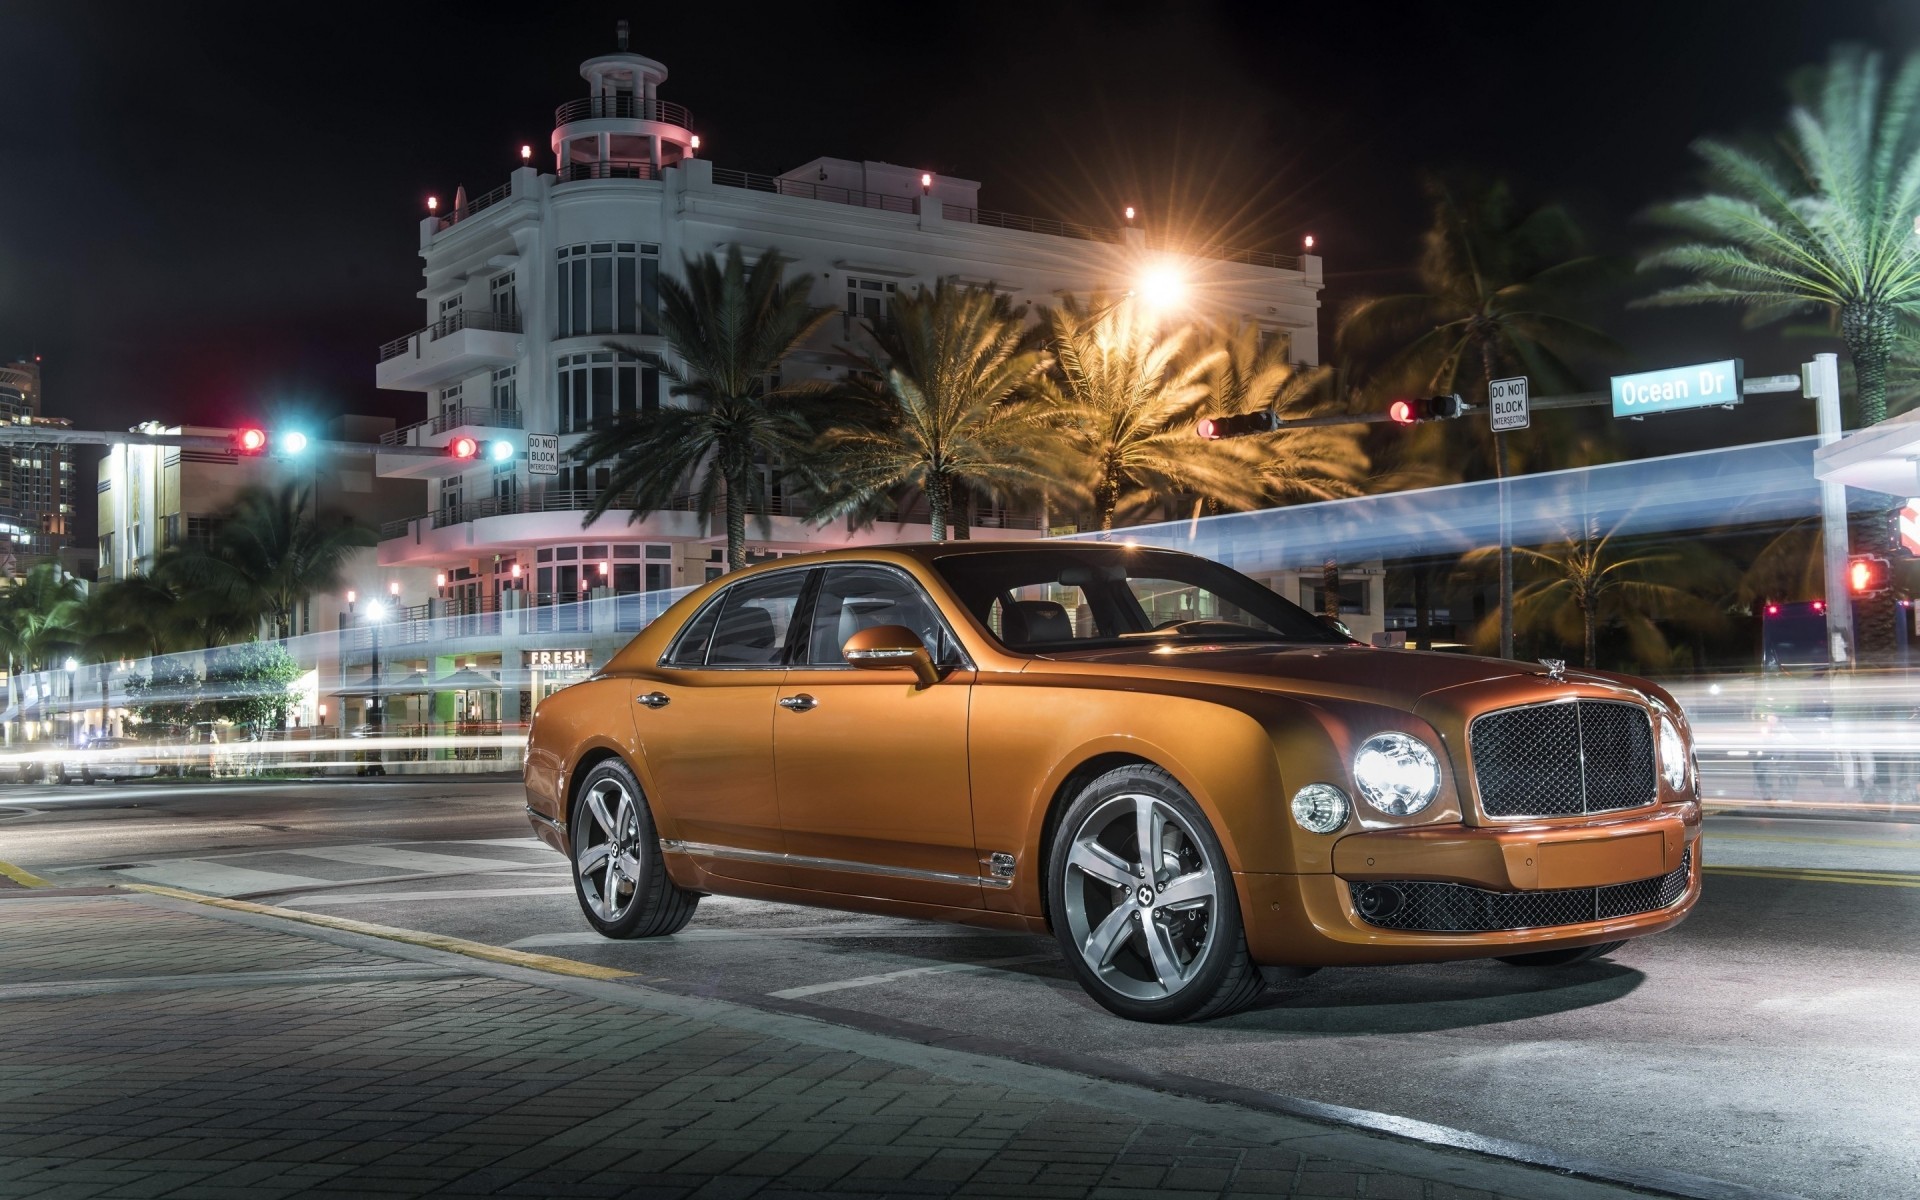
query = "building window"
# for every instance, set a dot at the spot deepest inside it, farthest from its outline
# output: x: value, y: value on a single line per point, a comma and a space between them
x: 450, y: 400
x: 868, y: 297
x: 597, y: 389
x: 659, y: 568
x: 506, y: 388
x: 451, y: 305
x: 505, y: 296
x: 1354, y: 594
x: 506, y: 487
x: 451, y: 491
x: 609, y: 287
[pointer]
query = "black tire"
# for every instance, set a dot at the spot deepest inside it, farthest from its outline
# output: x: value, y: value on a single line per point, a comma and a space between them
x: 1561, y: 958
x: 644, y: 901
x: 1217, y: 976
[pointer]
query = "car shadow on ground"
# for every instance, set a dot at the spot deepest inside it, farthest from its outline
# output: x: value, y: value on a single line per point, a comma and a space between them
x: 1429, y: 999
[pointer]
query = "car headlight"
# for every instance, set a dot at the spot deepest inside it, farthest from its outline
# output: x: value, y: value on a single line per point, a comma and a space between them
x: 1673, y: 754
x: 1397, y: 774
x: 1320, y: 808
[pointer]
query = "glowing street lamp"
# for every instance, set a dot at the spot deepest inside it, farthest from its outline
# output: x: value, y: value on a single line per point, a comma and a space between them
x: 1162, y: 287
x: 526, y: 156
x: 433, y: 205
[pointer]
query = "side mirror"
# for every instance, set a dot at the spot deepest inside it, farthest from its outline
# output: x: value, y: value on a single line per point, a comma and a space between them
x: 1335, y: 624
x: 890, y: 647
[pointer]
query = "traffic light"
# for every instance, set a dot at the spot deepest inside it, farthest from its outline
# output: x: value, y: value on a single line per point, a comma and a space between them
x: 1426, y: 408
x: 1867, y: 574
x: 1239, y: 425
x: 472, y: 449
x: 254, y: 440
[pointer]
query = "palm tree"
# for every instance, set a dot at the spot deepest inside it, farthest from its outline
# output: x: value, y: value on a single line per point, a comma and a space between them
x: 270, y: 554
x: 1589, y: 582
x: 1824, y: 222
x: 1124, y: 399
x: 947, y: 388
x: 730, y: 327
x: 1252, y: 374
x: 1498, y: 290
x: 34, y: 623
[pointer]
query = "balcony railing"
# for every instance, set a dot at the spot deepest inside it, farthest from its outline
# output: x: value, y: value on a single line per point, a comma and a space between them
x: 480, y: 204
x: 633, y: 108
x: 453, y: 322
x: 812, y: 191
x: 607, y: 170
x: 1047, y: 225
x: 453, y: 418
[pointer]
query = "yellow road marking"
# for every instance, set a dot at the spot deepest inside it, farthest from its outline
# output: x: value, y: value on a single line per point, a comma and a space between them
x: 21, y: 876
x: 413, y: 937
x: 1879, y: 879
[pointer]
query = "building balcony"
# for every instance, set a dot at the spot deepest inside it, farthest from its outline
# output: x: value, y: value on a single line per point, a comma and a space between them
x: 623, y: 108
x: 458, y: 344
x: 483, y: 425
x: 527, y: 518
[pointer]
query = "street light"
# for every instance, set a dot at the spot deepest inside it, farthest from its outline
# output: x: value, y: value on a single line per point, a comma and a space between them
x: 73, y: 668
x: 1162, y: 286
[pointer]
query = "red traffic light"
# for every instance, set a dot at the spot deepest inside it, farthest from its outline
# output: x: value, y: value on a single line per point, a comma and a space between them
x: 1238, y: 425
x: 250, y: 439
x: 1867, y: 575
x: 1426, y: 408
x: 463, y: 447
x: 1400, y: 412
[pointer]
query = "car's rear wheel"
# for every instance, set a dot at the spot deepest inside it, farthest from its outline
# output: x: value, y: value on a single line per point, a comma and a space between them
x: 618, y: 873
x: 1143, y: 901
x: 1561, y: 958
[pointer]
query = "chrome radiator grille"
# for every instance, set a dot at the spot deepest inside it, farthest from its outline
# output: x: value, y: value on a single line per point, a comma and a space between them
x: 1563, y: 759
x: 1427, y: 907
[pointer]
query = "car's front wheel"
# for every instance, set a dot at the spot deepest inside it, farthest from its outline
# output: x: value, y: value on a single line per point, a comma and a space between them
x: 618, y: 872
x: 1143, y: 901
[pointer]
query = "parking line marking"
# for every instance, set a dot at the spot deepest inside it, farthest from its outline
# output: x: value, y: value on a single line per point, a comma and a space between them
x: 1813, y: 875
x: 839, y: 985
x: 21, y: 875
x: 773, y: 932
x: 449, y: 894
x: 411, y: 937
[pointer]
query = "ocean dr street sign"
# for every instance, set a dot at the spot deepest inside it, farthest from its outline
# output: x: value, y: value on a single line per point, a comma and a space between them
x: 1705, y: 385
x: 1507, y: 404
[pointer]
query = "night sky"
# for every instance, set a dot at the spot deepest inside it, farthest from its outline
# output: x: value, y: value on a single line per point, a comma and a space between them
x: 211, y: 210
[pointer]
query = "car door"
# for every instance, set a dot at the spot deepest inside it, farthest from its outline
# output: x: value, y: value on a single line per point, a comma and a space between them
x: 872, y: 767
x: 704, y: 721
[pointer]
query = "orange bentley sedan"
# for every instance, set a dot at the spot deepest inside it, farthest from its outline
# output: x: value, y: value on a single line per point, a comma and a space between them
x: 1195, y: 785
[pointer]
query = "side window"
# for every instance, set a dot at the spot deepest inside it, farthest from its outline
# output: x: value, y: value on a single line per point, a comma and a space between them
x: 753, y: 621
x: 856, y: 598
x: 690, y: 648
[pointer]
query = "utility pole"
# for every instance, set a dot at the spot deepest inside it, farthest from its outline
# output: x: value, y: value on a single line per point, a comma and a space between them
x: 1820, y: 382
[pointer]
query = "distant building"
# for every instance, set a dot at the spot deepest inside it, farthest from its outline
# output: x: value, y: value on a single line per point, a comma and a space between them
x: 36, y: 478
x: 155, y: 497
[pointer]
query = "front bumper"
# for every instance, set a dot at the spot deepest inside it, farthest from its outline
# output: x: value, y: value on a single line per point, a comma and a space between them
x: 1310, y: 920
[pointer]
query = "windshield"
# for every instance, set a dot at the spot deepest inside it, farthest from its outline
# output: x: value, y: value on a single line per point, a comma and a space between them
x: 1040, y: 599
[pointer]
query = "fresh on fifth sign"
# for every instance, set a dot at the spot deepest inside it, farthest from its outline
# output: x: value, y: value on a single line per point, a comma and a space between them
x: 1703, y: 386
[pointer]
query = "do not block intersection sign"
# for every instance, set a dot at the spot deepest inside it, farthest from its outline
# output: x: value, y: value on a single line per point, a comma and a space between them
x: 1507, y: 404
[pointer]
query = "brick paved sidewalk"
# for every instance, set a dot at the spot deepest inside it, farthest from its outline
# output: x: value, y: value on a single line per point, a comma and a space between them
x: 150, y: 1047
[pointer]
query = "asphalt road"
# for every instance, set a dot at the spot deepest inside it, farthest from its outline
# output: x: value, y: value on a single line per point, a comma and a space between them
x: 1770, y: 1040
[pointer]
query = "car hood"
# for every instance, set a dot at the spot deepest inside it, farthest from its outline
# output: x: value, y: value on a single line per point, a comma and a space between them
x: 1395, y: 677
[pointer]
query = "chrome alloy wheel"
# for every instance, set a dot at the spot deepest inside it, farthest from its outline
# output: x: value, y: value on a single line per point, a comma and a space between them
x: 607, y: 857
x: 1140, y: 896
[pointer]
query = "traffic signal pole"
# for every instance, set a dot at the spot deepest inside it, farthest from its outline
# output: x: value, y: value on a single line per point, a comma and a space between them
x: 41, y: 435
x: 1820, y: 381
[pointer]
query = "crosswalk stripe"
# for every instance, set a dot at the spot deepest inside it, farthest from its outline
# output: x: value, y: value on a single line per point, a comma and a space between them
x: 840, y: 985
x: 398, y: 860
x: 216, y: 879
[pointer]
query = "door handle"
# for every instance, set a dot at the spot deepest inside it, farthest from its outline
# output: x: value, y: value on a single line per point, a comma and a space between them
x: 654, y: 699
x: 800, y: 703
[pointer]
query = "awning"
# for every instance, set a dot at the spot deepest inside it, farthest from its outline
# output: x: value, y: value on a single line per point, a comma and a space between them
x: 414, y: 684
x: 467, y: 680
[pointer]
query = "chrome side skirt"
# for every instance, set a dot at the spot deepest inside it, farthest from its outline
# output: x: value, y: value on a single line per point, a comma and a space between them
x: 777, y: 858
x: 559, y: 827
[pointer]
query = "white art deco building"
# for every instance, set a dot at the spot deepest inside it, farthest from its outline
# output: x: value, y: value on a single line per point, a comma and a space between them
x: 526, y: 285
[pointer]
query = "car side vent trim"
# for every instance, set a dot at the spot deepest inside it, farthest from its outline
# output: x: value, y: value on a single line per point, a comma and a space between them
x: 740, y: 854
